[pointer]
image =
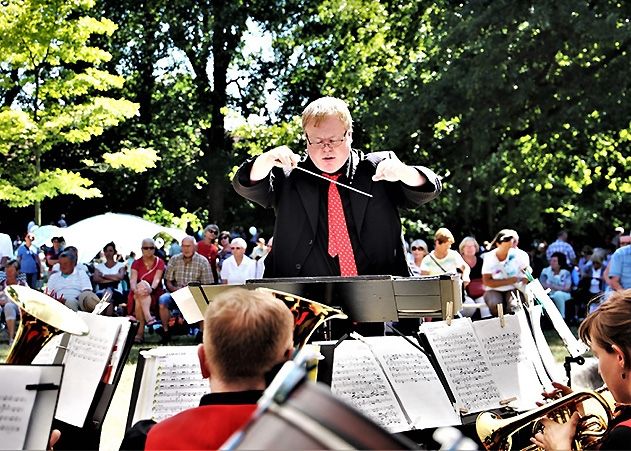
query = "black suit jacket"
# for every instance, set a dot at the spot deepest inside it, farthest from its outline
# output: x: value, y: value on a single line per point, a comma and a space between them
x: 294, y: 195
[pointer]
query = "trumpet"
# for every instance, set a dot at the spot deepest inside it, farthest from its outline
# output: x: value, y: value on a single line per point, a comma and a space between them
x: 595, y: 407
x: 42, y: 317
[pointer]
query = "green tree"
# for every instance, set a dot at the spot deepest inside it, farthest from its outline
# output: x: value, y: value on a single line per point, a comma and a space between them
x: 53, y: 94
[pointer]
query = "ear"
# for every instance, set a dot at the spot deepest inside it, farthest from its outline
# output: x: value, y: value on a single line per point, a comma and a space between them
x: 619, y: 356
x: 201, y: 355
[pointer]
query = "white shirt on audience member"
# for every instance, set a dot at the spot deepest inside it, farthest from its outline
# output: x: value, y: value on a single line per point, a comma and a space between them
x: 238, y: 274
x: 71, y: 285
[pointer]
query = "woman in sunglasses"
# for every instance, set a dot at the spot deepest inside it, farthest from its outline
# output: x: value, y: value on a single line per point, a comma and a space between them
x: 145, y: 287
x: 418, y: 251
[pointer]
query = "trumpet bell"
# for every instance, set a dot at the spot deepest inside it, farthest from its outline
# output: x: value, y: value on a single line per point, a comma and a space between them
x: 42, y: 317
x: 308, y: 314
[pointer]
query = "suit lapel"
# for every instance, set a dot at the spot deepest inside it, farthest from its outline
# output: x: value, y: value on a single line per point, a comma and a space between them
x: 308, y: 192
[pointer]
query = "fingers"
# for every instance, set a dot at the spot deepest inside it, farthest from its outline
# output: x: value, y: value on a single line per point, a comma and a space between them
x: 389, y: 169
x: 283, y: 156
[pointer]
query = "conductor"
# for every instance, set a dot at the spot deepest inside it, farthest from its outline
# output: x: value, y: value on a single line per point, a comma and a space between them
x: 337, y: 209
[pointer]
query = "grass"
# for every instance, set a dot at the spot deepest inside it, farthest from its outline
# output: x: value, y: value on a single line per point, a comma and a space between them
x: 114, y: 424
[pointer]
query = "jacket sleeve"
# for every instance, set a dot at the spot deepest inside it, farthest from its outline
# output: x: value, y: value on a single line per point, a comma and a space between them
x: 261, y: 192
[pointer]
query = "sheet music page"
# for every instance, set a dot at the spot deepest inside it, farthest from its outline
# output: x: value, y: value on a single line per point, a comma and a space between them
x: 464, y: 362
x: 118, y: 347
x: 532, y: 349
x: 174, y: 382
x: 510, y: 361
x: 358, y: 379
x: 46, y: 356
x: 415, y: 381
x: 85, y: 361
x: 554, y: 369
x: 16, y: 403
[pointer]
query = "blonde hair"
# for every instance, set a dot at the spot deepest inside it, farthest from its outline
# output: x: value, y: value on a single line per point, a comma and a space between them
x: 468, y: 239
x: 246, y: 333
x: 610, y: 325
x: 444, y: 234
x: 324, y: 107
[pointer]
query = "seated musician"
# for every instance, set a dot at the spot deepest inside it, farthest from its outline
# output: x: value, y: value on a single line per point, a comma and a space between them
x: 608, y: 332
x: 246, y: 333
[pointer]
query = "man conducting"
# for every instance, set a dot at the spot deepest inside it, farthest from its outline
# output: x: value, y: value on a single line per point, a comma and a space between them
x: 323, y: 229
x: 246, y: 334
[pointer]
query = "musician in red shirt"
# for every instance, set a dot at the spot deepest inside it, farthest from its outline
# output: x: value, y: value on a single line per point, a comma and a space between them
x: 246, y: 333
x: 209, y: 249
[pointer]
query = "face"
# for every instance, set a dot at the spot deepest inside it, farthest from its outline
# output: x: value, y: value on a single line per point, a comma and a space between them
x: 11, y: 272
x: 188, y: 248
x: 210, y: 235
x: 554, y: 263
x: 444, y: 246
x: 329, y: 144
x: 66, y: 265
x: 468, y: 249
x: 109, y: 252
x: 418, y: 251
x: 610, y: 367
x: 148, y: 248
x: 224, y: 240
x: 237, y: 250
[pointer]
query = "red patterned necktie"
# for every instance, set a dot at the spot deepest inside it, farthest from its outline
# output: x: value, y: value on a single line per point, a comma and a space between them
x: 339, y: 241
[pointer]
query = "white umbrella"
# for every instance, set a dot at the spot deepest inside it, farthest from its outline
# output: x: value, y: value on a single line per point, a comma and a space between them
x: 91, y: 234
x: 6, y: 246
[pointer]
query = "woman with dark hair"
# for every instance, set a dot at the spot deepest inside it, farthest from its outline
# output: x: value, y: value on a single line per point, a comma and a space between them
x: 109, y: 275
x: 10, y: 276
x: 558, y: 279
x: 608, y: 333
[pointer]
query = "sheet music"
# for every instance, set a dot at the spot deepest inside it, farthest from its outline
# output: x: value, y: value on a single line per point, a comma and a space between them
x: 16, y: 403
x: 46, y: 355
x: 415, y: 381
x: 85, y: 360
x: 172, y: 382
x: 358, y: 379
x: 509, y: 360
x: 464, y: 362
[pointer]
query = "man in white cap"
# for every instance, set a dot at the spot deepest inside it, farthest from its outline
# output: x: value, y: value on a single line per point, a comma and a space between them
x: 238, y: 267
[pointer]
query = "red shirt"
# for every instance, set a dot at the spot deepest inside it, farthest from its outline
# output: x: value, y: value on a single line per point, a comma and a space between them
x: 209, y: 251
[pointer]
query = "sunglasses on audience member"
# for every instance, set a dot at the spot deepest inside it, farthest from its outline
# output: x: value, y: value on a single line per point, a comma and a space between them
x: 214, y: 232
x: 234, y: 248
x: 148, y: 248
x: 419, y: 248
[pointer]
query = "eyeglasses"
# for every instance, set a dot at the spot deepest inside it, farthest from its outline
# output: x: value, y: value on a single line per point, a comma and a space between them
x: 224, y: 237
x: 214, y: 232
x: 235, y: 248
x: 414, y: 248
x: 148, y: 248
x: 332, y: 143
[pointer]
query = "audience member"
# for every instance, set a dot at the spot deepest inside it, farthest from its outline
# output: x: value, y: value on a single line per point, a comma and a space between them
x: 224, y: 250
x: 62, y: 221
x: 246, y: 334
x: 620, y: 266
x: 592, y: 285
x: 260, y: 264
x: 418, y: 251
x: 260, y: 250
x: 145, y: 287
x: 52, y: 254
x: 474, y: 291
x: 238, y: 267
x: 443, y: 259
x: 10, y: 276
x: 561, y: 245
x: 503, y: 271
x: 108, y: 276
x: 28, y: 258
x: 557, y: 278
x: 71, y: 285
x: 184, y: 268
x: 208, y: 248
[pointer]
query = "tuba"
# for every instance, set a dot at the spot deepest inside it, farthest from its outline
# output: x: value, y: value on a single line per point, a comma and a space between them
x: 308, y: 315
x: 42, y: 317
x: 595, y: 408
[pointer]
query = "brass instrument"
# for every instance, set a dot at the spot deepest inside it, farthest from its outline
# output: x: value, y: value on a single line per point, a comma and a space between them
x: 515, y: 432
x: 308, y: 315
x: 41, y: 318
